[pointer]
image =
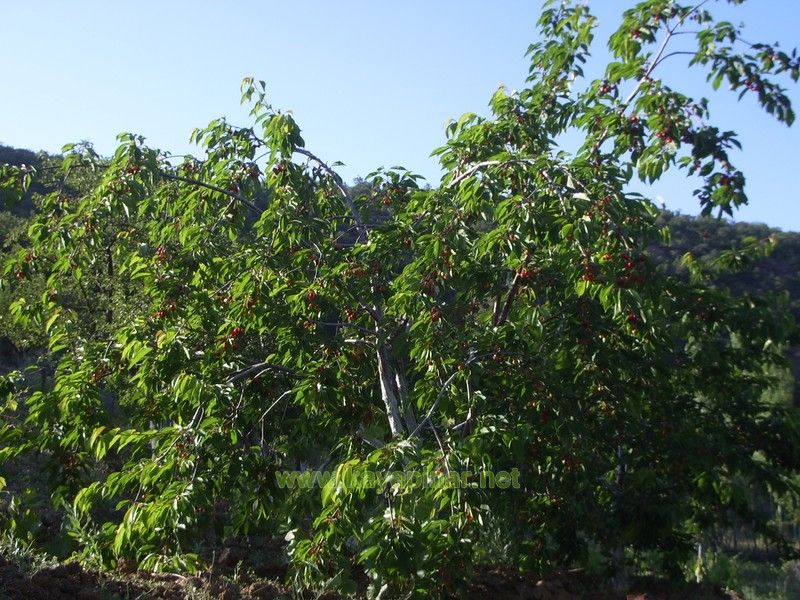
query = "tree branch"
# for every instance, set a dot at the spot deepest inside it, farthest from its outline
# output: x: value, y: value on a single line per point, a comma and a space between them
x: 215, y: 188
x: 340, y: 185
x: 487, y: 163
x: 675, y: 53
x: 444, y: 387
x: 259, y: 368
x: 500, y: 319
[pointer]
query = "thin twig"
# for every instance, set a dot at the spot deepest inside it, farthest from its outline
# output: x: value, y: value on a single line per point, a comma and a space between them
x: 260, y: 368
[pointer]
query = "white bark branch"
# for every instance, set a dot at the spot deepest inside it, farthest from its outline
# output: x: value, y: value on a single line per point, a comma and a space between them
x: 386, y: 374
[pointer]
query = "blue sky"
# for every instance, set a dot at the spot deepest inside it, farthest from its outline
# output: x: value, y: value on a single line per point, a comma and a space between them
x: 370, y: 83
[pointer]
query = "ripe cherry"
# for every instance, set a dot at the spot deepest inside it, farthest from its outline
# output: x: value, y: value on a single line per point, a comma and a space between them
x: 436, y: 314
x: 237, y: 332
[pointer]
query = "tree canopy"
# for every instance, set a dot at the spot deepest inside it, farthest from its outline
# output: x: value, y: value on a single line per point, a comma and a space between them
x: 256, y: 316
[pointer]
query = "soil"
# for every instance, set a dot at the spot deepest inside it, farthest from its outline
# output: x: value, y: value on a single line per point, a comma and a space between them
x: 71, y: 581
x: 502, y: 584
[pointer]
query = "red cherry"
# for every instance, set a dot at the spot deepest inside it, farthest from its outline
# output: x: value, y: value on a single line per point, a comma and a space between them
x: 237, y: 332
x: 436, y: 314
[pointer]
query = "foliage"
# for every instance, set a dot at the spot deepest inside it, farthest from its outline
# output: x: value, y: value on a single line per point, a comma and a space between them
x: 259, y: 316
x: 755, y: 581
x: 42, y: 175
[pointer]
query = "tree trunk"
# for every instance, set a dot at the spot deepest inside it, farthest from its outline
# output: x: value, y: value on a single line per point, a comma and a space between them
x: 387, y: 372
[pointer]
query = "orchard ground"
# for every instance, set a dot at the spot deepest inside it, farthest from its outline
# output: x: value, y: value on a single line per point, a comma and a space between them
x: 237, y: 576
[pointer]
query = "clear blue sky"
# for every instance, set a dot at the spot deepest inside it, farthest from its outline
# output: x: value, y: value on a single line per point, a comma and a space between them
x: 371, y: 83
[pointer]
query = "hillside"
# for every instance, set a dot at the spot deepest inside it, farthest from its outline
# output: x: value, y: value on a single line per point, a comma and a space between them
x: 707, y: 237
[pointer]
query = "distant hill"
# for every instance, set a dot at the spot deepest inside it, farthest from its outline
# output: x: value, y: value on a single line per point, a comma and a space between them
x: 19, y: 157
x: 707, y: 237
